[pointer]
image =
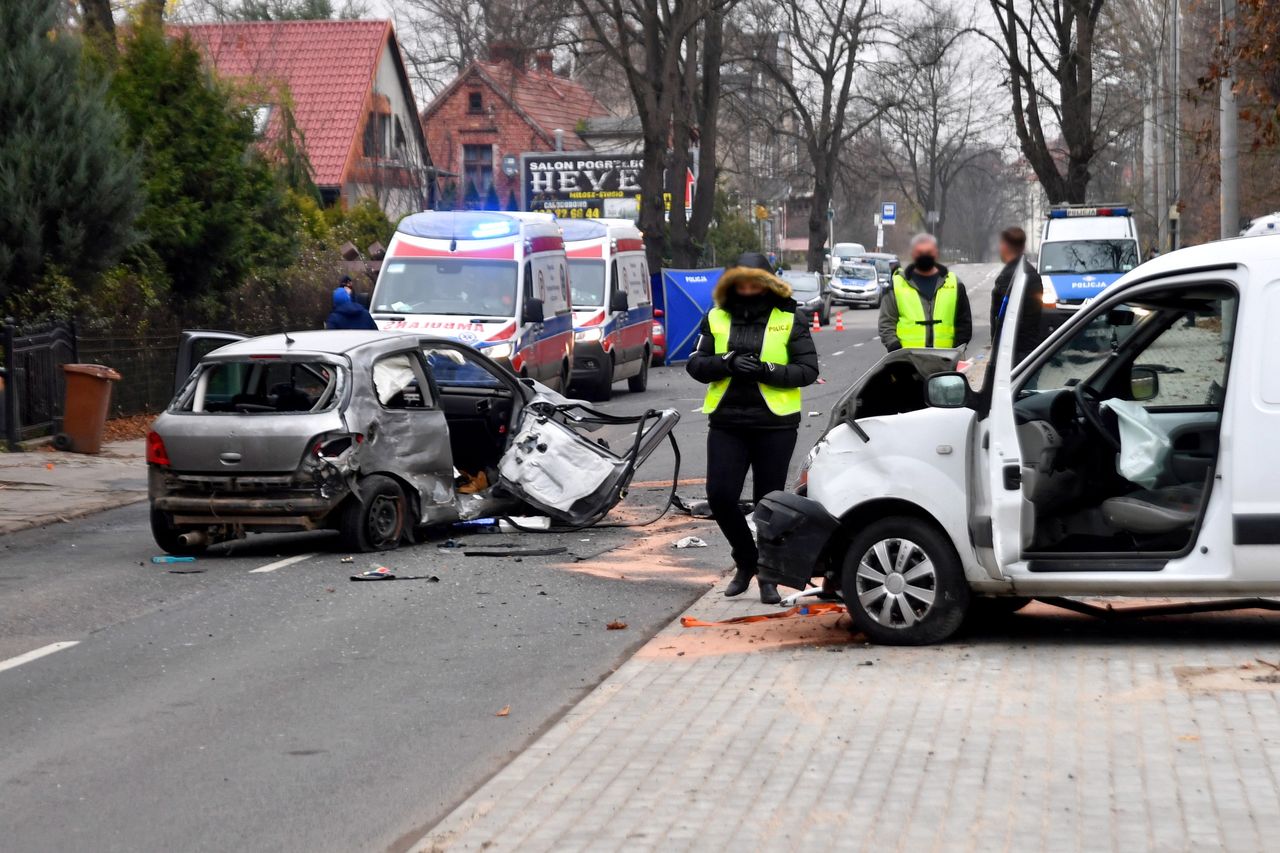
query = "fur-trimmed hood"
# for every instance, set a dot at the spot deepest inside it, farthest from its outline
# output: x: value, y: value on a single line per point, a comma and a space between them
x: 733, y: 275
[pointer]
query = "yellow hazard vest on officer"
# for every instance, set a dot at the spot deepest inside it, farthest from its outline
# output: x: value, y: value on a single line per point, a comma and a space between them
x: 914, y: 329
x: 781, y: 401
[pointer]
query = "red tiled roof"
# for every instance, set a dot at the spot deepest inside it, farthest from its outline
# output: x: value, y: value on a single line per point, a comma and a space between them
x: 548, y: 101
x: 328, y: 67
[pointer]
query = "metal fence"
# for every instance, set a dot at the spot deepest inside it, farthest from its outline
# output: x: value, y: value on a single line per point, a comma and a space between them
x: 145, y: 363
x: 34, y: 384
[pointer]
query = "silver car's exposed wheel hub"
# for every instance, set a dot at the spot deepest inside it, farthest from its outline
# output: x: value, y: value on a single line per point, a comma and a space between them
x: 896, y: 583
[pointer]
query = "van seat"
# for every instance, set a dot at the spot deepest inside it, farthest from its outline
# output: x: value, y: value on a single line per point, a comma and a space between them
x: 1153, y: 511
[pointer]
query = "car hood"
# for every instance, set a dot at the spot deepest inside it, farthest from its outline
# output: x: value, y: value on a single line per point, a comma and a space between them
x: 895, y: 384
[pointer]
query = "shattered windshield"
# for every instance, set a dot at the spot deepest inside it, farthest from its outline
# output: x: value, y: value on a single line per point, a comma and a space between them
x: 260, y: 386
x: 466, y: 287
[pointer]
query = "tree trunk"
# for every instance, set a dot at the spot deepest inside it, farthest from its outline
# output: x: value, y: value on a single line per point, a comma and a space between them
x: 819, y: 227
x: 100, y: 26
x: 653, y: 220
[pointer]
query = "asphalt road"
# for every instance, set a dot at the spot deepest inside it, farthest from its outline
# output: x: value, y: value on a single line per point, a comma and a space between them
x: 267, y: 703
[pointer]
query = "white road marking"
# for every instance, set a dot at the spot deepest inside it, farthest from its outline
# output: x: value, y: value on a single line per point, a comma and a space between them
x: 860, y: 343
x: 280, y: 564
x: 838, y: 352
x: 35, y: 654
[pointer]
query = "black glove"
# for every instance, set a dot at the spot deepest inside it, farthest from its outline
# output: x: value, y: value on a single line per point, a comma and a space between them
x: 746, y: 366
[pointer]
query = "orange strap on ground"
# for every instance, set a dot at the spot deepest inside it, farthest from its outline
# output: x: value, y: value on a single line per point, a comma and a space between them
x: 818, y: 609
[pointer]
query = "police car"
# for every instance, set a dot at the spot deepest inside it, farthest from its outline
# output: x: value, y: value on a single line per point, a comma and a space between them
x: 1083, y: 250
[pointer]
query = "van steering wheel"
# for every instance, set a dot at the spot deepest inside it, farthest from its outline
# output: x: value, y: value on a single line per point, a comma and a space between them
x: 1090, y: 405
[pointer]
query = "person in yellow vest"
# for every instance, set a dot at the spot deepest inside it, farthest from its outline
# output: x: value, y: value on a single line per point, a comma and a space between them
x: 926, y: 306
x: 754, y: 354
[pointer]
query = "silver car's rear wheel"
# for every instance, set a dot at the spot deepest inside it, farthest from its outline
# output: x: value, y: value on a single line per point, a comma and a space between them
x: 903, y: 582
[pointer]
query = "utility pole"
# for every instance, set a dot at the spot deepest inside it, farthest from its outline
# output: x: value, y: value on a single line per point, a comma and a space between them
x: 1228, y: 135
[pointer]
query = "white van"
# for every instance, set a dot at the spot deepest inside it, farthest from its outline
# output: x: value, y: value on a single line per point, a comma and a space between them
x: 612, y: 305
x: 496, y: 281
x: 1083, y: 250
x: 1132, y: 453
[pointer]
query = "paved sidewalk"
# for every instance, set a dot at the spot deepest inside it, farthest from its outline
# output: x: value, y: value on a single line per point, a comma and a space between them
x: 1053, y: 732
x: 46, y: 486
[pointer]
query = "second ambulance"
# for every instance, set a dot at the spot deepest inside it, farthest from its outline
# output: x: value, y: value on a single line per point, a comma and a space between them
x: 612, y: 305
x: 496, y: 281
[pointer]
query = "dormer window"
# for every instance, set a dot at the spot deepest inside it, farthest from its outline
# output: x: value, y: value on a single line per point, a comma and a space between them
x: 475, y: 102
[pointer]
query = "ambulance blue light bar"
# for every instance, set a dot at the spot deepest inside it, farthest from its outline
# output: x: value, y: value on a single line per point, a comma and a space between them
x: 1071, y: 212
x: 459, y: 225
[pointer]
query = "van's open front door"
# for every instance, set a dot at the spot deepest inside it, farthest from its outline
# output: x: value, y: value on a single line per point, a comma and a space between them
x: 195, y: 344
x: 998, y: 510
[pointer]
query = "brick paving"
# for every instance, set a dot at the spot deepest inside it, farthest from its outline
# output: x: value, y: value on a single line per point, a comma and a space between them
x: 1048, y: 732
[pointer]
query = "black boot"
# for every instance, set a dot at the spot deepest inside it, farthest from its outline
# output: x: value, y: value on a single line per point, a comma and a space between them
x: 737, y: 586
x: 769, y: 593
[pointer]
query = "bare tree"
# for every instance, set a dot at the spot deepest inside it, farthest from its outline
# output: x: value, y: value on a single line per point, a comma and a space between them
x: 442, y: 37
x: 815, y: 69
x: 1052, y: 41
x: 941, y: 120
x: 656, y: 44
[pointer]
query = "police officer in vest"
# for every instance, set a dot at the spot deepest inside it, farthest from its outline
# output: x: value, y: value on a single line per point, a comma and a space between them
x: 755, y: 354
x: 927, y: 305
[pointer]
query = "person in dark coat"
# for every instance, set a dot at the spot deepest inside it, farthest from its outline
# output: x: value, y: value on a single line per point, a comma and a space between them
x: 925, y: 282
x: 347, y: 313
x: 1013, y: 244
x: 755, y: 354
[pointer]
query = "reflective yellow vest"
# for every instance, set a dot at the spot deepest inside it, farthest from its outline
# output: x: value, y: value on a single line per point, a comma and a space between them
x: 913, y: 326
x: 781, y: 401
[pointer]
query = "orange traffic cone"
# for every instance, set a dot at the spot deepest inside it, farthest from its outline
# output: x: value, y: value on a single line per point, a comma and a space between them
x: 817, y: 325
x: 840, y: 321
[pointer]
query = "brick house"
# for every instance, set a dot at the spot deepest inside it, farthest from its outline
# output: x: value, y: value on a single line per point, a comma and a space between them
x: 346, y: 88
x: 492, y: 112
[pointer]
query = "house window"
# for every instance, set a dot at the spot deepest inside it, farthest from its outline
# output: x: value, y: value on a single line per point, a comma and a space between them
x: 377, y: 132
x: 261, y: 116
x: 475, y: 102
x: 400, y: 146
x: 477, y: 167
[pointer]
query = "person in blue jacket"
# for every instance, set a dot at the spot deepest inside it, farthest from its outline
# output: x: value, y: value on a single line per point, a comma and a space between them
x: 347, y: 313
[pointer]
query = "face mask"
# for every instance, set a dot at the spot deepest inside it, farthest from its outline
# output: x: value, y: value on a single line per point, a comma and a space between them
x: 924, y: 263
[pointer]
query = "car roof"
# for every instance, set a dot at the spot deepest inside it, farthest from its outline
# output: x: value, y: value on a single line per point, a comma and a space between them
x: 881, y: 256
x: 334, y: 342
x: 1262, y: 253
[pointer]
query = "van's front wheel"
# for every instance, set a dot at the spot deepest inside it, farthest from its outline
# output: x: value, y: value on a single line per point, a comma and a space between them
x: 903, y: 583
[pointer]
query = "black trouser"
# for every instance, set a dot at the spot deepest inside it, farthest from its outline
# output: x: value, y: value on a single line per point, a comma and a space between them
x: 730, y: 453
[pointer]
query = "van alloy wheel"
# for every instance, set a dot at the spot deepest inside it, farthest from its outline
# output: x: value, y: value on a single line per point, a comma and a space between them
x: 903, y: 582
x: 896, y: 582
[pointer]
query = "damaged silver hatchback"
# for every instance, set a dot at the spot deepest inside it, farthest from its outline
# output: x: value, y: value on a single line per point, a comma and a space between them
x: 374, y: 434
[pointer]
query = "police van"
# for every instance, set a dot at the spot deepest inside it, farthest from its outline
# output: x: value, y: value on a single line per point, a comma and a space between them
x: 1083, y: 249
x: 496, y: 281
x: 612, y: 305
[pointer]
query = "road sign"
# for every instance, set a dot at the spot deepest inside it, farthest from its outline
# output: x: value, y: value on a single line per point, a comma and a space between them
x: 888, y: 213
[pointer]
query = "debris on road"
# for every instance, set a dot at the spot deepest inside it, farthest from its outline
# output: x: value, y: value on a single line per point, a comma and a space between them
x: 522, y: 552
x: 815, y: 414
x: 505, y: 712
x: 450, y: 543
x: 616, y: 625
x: 689, y: 542
x: 382, y: 573
x: 524, y: 523
x: 347, y: 560
x: 819, y: 609
x: 695, y: 508
x: 169, y: 558
x: 477, y: 525
x: 186, y: 570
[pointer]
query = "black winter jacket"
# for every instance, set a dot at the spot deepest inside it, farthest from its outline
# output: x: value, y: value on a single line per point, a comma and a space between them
x: 743, y: 406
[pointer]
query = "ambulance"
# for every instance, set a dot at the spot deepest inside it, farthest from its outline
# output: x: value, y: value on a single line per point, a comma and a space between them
x: 498, y: 282
x: 612, y: 305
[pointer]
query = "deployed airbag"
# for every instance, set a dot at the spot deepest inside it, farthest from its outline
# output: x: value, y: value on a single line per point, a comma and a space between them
x: 1144, y: 445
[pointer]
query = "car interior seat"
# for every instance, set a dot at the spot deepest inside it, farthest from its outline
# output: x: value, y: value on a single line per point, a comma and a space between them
x: 1154, y: 511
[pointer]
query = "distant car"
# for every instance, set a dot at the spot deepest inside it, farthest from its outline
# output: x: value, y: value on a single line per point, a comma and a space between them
x: 885, y: 264
x: 659, y: 339
x: 809, y: 294
x: 373, y: 434
x: 857, y: 285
